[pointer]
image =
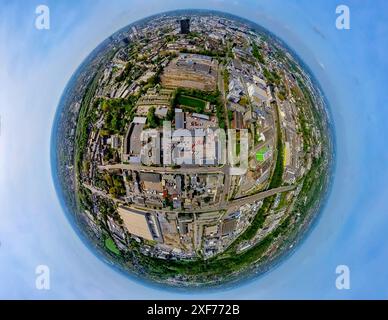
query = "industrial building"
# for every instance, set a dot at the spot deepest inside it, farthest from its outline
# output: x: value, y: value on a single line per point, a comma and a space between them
x: 141, y: 224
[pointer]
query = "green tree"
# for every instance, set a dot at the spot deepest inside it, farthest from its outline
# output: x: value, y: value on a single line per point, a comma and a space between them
x: 152, y: 119
x: 257, y: 54
x: 171, y: 114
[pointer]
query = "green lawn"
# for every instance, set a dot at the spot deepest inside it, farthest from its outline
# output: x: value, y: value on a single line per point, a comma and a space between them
x: 110, y: 244
x: 260, y: 154
x: 191, y: 102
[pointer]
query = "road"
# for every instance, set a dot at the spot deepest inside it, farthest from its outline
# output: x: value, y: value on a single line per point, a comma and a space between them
x: 236, y: 203
x: 102, y: 193
x: 230, y: 206
x: 233, y: 205
x: 221, y: 87
x: 183, y: 169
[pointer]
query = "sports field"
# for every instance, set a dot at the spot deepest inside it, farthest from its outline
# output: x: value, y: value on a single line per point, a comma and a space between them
x: 192, y: 102
x: 260, y: 155
x: 110, y: 244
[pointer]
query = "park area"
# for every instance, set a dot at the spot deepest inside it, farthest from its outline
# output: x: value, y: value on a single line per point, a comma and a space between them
x: 195, y: 104
x: 109, y: 243
x: 261, y: 154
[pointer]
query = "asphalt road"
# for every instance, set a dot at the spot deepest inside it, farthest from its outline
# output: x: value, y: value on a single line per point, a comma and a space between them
x: 183, y: 169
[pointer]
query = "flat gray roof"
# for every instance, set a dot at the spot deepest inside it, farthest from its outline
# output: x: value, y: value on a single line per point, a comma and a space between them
x: 179, y: 120
x: 134, y: 141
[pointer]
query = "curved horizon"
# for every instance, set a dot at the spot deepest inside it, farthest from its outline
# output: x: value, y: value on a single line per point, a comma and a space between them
x: 245, y: 277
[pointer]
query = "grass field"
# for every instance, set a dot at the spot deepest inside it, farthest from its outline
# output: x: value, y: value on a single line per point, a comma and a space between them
x: 110, y: 244
x: 191, y: 102
x: 261, y: 153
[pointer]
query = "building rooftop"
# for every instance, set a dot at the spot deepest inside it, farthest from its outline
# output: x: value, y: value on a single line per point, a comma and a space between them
x: 132, y: 143
x: 150, y: 177
x: 136, y: 222
x: 179, y: 119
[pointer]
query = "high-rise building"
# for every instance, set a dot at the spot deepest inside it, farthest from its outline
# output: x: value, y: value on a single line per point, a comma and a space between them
x: 185, y: 26
x: 135, y: 33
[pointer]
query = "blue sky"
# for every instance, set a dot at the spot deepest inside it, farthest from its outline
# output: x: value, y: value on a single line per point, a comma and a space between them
x: 352, y: 69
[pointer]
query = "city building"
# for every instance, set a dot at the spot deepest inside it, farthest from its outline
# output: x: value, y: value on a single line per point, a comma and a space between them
x: 140, y: 224
x: 132, y: 141
x: 256, y: 94
x: 185, y: 26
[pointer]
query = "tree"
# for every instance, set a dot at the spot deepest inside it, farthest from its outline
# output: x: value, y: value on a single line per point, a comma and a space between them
x: 105, y: 106
x: 272, y: 76
x: 257, y: 54
x: 113, y: 192
x: 230, y: 115
x: 244, y: 101
x: 152, y: 119
x: 171, y: 114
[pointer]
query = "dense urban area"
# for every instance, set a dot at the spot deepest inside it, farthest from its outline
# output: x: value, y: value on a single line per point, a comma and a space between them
x: 193, y: 149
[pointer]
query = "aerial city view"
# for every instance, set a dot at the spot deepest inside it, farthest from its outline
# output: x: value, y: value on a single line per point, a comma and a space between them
x: 193, y: 149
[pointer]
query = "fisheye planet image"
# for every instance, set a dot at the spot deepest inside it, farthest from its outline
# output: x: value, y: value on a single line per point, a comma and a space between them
x: 193, y: 149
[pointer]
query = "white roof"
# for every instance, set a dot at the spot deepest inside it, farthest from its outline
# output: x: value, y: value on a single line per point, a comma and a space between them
x: 140, y: 120
x: 255, y: 91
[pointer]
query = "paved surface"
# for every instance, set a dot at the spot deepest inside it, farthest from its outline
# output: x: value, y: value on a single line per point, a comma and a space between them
x: 233, y: 205
x: 183, y: 169
x: 230, y: 206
